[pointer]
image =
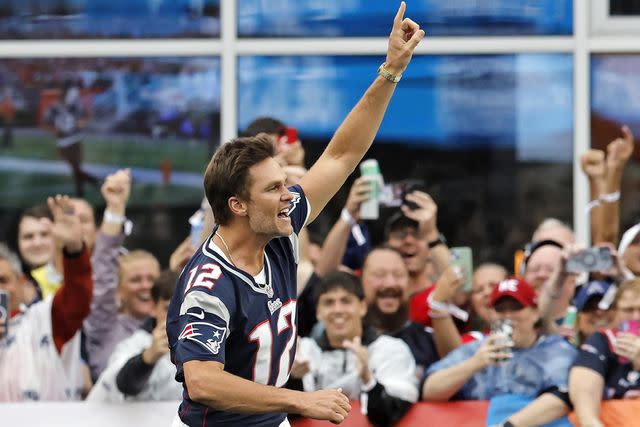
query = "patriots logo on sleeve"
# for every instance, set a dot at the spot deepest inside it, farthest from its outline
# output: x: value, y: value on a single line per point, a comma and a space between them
x: 207, y: 335
x: 294, y: 201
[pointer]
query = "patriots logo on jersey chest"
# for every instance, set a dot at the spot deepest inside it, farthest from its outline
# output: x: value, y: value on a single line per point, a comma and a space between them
x: 274, y: 305
x: 206, y: 334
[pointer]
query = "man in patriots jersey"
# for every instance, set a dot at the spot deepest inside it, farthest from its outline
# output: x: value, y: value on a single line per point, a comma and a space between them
x: 608, y: 364
x: 232, y: 321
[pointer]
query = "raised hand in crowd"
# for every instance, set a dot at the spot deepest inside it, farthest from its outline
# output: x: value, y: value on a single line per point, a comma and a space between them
x: 425, y: 214
x: 159, y: 345
x: 115, y: 191
x: 448, y: 284
x: 66, y: 226
x: 335, y: 243
x: 445, y: 333
x: 619, y: 151
x: 181, y: 255
x: 359, y: 193
x: 594, y: 166
x: 605, y: 178
x: 556, y: 294
x: 362, y: 357
x: 289, y: 154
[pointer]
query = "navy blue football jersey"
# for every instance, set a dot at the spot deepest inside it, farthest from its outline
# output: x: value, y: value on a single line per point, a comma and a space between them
x: 220, y: 313
x: 597, y: 353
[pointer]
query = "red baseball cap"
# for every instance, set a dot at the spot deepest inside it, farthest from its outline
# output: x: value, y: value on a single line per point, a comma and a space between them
x: 517, y: 289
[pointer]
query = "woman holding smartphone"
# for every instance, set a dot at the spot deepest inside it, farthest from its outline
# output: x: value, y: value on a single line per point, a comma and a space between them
x: 608, y: 364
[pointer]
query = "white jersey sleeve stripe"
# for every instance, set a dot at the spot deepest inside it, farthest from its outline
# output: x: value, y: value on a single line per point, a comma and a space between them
x: 308, y: 212
x: 295, y: 241
x: 209, y: 303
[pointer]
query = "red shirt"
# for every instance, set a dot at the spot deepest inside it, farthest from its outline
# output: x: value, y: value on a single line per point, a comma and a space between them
x: 419, y: 307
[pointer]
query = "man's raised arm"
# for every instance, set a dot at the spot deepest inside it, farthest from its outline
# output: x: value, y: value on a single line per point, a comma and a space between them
x: 356, y: 133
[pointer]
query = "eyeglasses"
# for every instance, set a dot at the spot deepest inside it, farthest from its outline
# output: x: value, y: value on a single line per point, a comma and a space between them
x: 404, y: 233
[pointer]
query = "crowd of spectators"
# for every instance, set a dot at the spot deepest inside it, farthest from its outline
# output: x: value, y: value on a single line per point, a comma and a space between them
x: 389, y: 322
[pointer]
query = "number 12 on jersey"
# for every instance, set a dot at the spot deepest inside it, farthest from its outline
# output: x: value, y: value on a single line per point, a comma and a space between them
x: 263, y: 336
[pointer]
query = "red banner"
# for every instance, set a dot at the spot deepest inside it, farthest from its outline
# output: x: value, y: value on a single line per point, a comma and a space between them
x: 459, y: 414
x: 614, y: 413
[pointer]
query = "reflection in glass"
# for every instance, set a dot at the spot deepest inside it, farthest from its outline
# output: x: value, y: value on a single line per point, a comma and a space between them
x: 365, y: 18
x: 615, y: 101
x: 624, y: 7
x: 158, y: 116
x: 490, y: 135
x: 72, y: 19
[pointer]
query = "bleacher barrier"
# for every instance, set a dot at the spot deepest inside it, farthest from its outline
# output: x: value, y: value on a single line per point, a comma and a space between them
x: 620, y: 413
x: 615, y: 413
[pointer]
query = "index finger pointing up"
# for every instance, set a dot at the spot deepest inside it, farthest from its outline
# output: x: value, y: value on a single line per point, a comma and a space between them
x: 397, y: 21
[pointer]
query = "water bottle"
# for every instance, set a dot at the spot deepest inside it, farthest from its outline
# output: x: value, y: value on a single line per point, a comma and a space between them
x: 371, y: 170
x: 197, y: 223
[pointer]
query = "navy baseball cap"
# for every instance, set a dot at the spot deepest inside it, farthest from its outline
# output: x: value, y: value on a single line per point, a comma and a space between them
x: 590, y: 290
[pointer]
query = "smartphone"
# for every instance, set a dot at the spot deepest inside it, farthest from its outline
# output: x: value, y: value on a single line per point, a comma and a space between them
x: 394, y: 194
x: 590, y: 259
x: 4, y: 313
x: 630, y: 326
x: 463, y: 257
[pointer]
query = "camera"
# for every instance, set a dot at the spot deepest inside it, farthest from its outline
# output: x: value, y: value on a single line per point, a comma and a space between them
x: 394, y: 194
x: 591, y: 259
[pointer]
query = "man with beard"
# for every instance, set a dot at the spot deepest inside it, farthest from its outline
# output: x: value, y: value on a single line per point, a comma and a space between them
x: 385, y: 279
x: 414, y: 234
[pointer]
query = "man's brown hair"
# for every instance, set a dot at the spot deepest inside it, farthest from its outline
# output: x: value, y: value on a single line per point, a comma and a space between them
x: 227, y: 174
x: 164, y: 285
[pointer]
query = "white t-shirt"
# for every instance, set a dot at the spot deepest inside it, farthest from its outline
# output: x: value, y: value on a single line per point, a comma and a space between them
x: 160, y: 386
x: 31, y: 367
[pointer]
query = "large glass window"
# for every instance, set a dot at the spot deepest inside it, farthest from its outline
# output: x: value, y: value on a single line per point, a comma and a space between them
x: 490, y: 136
x: 158, y: 116
x: 615, y: 101
x: 365, y: 18
x: 73, y: 19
